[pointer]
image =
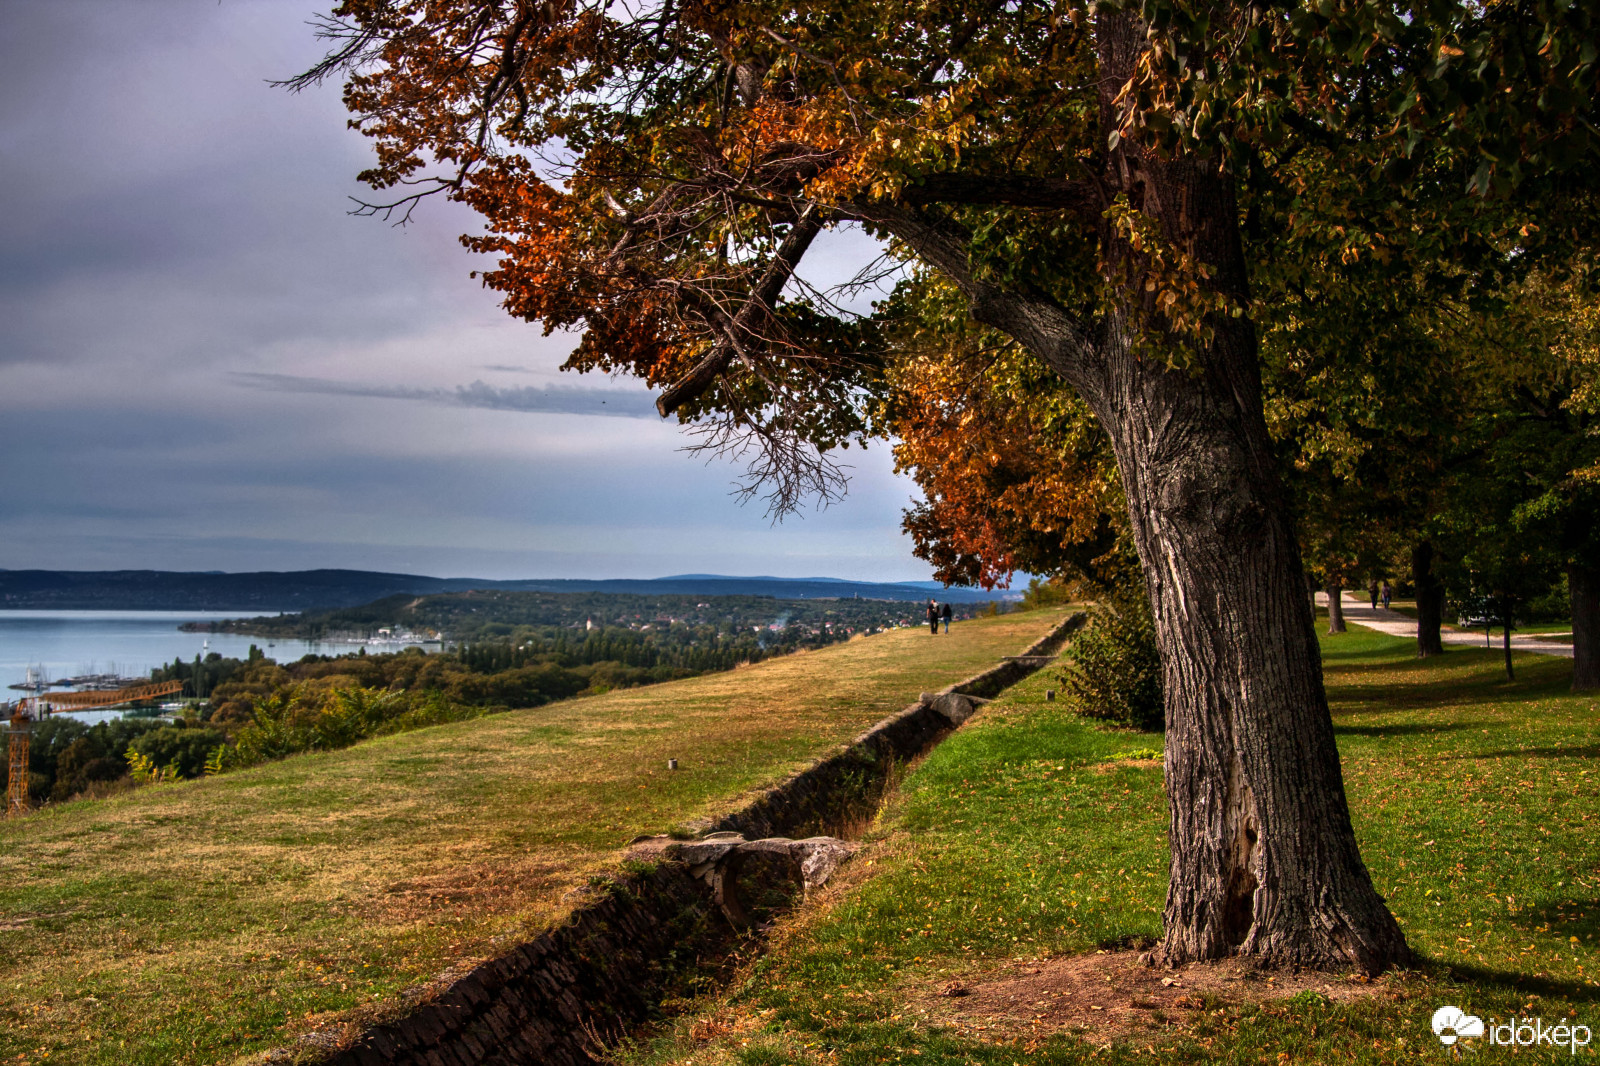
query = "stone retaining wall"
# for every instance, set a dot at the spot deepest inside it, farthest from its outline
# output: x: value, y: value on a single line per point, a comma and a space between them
x: 603, y: 969
x: 552, y: 1001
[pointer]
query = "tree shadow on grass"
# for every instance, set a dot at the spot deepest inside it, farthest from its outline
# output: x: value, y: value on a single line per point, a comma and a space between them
x: 1464, y: 666
x: 1348, y: 693
x: 1404, y: 729
x: 1366, y: 699
x: 1567, y: 917
x: 1577, y: 751
x: 1364, y: 655
x: 1525, y: 983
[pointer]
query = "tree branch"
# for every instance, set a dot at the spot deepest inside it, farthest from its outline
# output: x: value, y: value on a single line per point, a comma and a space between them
x: 1034, y: 319
x: 761, y: 301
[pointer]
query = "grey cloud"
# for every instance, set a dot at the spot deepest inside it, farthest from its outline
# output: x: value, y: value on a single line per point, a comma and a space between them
x: 191, y: 327
x: 527, y: 398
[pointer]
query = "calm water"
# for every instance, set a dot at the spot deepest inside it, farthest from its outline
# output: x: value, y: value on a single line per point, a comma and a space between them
x: 130, y: 643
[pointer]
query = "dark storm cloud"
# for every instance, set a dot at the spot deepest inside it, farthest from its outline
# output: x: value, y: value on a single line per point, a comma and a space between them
x: 568, y: 401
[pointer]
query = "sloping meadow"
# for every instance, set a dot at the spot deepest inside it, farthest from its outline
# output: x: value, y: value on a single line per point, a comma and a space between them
x: 201, y: 921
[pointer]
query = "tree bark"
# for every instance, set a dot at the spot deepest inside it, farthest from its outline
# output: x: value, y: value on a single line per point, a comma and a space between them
x: 1430, y: 601
x: 1583, y: 584
x: 1264, y: 860
x: 1335, y: 609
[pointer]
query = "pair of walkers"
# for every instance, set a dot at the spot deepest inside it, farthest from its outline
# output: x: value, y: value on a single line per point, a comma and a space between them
x: 936, y: 614
x: 1385, y: 593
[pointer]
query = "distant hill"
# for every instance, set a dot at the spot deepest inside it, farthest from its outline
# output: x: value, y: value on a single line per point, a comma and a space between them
x: 303, y: 590
x: 673, y: 621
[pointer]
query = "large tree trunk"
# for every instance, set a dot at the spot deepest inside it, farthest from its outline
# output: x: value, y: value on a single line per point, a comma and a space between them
x: 1264, y: 860
x: 1335, y: 609
x: 1430, y: 601
x: 1583, y: 585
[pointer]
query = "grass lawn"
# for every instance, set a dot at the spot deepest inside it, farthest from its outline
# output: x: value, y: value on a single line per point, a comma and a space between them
x: 1031, y: 841
x: 201, y: 921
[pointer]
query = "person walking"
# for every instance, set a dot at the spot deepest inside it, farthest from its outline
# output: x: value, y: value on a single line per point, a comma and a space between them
x: 1387, y: 594
x: 1373, y: 590
x: 944, y: 613
x: 933, y: 617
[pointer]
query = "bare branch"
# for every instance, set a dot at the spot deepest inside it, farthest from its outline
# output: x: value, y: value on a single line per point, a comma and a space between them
x: 762, y: 299
x: 784, y: 462
x: 404, y: 205
x: 359, y: 47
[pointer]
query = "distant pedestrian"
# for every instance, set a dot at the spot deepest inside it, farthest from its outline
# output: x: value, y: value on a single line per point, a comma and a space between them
x: 944, y: 613
x: 1387, y: 594
x: 1373, y: 589
x: 933, y: 617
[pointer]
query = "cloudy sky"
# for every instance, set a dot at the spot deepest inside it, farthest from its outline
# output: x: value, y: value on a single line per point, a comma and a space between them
x: 207, y: 364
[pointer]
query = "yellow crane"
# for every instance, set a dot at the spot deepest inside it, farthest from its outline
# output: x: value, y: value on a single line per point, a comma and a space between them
x: 31, y: 710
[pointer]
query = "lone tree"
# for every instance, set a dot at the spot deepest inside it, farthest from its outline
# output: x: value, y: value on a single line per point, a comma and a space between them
x: 1085, y: 179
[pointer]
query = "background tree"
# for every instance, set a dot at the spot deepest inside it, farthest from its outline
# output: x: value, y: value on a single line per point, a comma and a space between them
x: 1563, y: 464
x: 1567, y: 512
x: 1492, y: 567
x: 1516, y: 510
x: 655, y: 176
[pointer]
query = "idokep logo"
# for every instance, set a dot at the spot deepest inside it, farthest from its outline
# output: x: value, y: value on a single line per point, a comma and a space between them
x: 1451, y: 1024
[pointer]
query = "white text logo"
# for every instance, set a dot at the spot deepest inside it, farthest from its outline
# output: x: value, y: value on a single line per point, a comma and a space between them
x: 1451, y: 1024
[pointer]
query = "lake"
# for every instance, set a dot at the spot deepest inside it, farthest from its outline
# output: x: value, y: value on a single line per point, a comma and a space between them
x: 130, y: 643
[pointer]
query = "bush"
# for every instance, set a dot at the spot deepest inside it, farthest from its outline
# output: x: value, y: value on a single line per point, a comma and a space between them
x: 80, y: 765
x: 66, y: 756
x: 304, y: 718
x: 51, y: 739
x: 1050, y: 593
x: 1115, y: 673
x: 184, y: 750
x: 526, y: 686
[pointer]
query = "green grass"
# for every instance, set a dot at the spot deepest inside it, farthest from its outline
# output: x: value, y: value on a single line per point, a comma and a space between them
x: 202, y: 921
x: 1032, y: 834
